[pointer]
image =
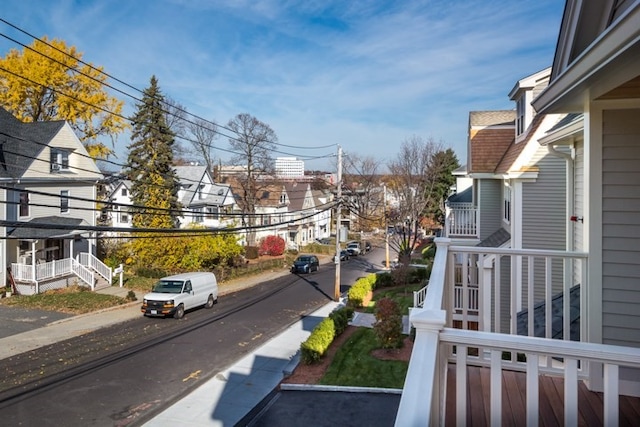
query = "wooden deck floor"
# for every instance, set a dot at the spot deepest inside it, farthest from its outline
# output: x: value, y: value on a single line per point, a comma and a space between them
x: 590, y: 406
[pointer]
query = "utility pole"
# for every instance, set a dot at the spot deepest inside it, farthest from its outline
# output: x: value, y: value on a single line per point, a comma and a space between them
x: 336, y: 294
x: 386, y: 230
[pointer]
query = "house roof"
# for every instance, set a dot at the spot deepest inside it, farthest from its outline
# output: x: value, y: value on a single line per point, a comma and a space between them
x: 515, y: 149
x: 497, y: 239
x: 49, y: 227
x: 492, y: 118
x: 465, y: 196
x: 557, y: 328
x: 191, y: 177
x: 488, y: 144
x: 297, y: 193
x: 21, y: 143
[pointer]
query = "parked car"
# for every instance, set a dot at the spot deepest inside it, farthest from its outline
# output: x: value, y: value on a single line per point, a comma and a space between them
x: 344, y: 256
x: 353, y: 248
x: 305, y: 264
x: 173, y: 295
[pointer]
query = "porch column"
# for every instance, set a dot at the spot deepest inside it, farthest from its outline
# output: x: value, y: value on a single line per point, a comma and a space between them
x: 33, y: 264
x: 422, y: 402
x: 71, y: 249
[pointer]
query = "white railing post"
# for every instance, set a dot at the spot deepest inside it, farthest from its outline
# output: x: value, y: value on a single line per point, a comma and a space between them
x: 422, y: 401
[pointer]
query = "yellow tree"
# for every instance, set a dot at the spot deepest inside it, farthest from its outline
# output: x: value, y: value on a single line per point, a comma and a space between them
x: 48, y: 81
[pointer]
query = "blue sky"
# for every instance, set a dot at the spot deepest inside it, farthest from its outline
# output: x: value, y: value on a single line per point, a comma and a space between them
x: 362, y: 74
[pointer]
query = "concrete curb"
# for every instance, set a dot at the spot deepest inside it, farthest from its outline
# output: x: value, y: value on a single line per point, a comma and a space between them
x: 334, y: 388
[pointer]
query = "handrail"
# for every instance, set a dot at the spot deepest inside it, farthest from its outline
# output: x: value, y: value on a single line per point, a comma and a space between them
x: 88, y: 259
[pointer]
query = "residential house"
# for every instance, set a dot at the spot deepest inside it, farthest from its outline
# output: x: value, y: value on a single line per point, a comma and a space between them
x: 594, y: 86
x: 49, y: 193
x: 120, y: 205
x: 204, y: 202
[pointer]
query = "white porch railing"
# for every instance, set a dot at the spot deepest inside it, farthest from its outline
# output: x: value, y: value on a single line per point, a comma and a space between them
x: 462, y: 220
x: 60, y: 268
x: 534, y: 276
x: 83, y: 273
x: 419, y: 296
x: 89, y: 260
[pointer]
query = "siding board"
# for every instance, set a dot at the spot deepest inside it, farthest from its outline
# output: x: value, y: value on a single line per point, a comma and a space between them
x: 621, y: 229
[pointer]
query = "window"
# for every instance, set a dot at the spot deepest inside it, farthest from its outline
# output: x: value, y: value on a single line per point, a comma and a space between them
x: 64, y: 201
x: 124, y: 192
x: 124, y: 217
x: 59, y: 160
x: 200, y: 192
x: 198, y: 215
x: 520, y: 111
x: 507, y: 202
x: 24, y: 203
x: 213, y: 212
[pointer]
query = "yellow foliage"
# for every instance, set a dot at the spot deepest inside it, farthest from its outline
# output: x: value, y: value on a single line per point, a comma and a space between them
x: 43, y: 83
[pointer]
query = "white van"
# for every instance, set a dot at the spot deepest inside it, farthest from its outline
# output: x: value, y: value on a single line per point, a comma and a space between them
x: 174, y: 294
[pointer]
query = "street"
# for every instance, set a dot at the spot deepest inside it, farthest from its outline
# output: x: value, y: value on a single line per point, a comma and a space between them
x: 125, y: 374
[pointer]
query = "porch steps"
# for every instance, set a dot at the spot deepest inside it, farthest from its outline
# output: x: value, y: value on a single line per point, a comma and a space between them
x: 101, y: 282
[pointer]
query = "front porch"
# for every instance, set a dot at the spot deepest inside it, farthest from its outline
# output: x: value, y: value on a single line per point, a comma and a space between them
x: 39, y: 277
x: 489, y: 289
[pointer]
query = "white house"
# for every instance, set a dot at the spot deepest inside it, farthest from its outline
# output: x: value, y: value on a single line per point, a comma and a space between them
x: 48, y: 186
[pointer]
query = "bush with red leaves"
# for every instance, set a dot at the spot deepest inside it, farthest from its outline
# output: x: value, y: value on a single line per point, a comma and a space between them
x: 272, y: 245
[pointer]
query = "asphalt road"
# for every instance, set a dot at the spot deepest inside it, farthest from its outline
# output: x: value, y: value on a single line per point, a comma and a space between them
x: 131, y: 372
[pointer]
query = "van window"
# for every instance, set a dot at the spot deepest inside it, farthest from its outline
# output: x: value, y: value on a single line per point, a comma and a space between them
x: 168, y: 287
x: 187, y: 286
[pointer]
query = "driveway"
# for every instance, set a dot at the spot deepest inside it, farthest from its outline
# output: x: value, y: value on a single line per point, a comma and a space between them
x: 15, y: 320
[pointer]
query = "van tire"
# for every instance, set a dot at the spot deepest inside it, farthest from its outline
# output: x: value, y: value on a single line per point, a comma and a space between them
x: 210, y: 302
x: 179, y: 312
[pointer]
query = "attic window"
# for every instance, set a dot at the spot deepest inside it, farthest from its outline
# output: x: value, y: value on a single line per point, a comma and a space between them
x: 520, y: 119
x: 59, y: 160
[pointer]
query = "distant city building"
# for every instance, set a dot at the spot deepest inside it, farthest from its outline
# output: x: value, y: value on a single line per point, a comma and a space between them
x: 289, y: 167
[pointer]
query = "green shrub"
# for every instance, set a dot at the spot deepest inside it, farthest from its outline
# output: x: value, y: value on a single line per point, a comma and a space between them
x: 419, y: 275
x: 384, y: 280
x: 360, y: 290
x: 318, y: 342
x: 388, y: 325
x: 341, y: 319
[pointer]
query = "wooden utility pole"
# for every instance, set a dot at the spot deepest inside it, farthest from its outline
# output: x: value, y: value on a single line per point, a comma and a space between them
x: 386, y: 230
x: 336, y: 294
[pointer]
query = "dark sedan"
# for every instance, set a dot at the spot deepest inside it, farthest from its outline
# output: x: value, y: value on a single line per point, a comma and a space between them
x: 305, y: 264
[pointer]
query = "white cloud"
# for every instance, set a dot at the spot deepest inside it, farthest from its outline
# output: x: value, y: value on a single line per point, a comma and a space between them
x: 364, y: 74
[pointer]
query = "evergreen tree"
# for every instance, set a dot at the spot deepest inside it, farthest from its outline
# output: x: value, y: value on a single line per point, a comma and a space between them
x: 154, y: 188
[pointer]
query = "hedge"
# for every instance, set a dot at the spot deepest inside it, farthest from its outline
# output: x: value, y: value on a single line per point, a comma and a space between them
x: 318, y: 342
x: 323, y: 335
x: 361, y: 289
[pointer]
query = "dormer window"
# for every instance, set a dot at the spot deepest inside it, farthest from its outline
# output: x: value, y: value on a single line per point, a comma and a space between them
x: 200, y: 192
x: 59, y: 160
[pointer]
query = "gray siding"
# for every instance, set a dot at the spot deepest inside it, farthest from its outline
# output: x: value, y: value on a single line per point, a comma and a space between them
x: 544, y: 218
x: 621, y: 228
x: 489, y: 206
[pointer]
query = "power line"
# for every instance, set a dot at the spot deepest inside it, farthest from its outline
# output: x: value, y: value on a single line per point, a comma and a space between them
x: 216, y: 125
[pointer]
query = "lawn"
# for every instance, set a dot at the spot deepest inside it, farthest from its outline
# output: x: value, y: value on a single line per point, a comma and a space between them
x: 353, y: 365
x: 73, y: 300
x: 403, y: 295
